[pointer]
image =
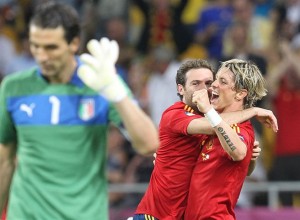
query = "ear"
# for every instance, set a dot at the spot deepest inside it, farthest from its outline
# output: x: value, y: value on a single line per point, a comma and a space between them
x: 180, y: 89
x: 240, y: 95
x: 74, y: 45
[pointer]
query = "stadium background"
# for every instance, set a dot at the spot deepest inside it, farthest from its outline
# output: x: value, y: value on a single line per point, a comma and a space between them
x: 154, y: 37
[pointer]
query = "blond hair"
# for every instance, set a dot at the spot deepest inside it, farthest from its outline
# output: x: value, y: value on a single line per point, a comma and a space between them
x: 247, y: 76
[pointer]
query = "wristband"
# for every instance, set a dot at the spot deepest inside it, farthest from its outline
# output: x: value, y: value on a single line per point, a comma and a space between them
x: 213, y: 117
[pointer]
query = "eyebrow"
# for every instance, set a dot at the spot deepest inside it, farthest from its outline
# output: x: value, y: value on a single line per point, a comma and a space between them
x: 200, y: 81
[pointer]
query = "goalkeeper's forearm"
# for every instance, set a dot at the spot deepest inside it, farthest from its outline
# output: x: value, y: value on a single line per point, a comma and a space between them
x: 141, y: 129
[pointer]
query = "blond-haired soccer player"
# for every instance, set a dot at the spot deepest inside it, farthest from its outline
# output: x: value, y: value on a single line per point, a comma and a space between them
x: 223, y: 163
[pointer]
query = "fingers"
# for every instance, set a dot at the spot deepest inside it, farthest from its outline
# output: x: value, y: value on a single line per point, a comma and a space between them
x: 110, y: 49
x: 256, y: 150
x: 114, y: 51
x: 95, y: 48
x: 275, y: 124
x: 272, y: 120
x: 104, y: 44
x: 200, y: 95
x: 255, y: 155
x: 89, y: 60
x: 272, y: 123
x: 154, y: 155
x: 87, y: 75
x: 104, y: 50
x: 194, y: 99
x: 268, y: 118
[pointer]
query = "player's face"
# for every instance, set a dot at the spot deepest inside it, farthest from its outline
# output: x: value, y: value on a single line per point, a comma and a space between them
x: 196, y: 79
x: 52, y: 52
x: 224, y: 95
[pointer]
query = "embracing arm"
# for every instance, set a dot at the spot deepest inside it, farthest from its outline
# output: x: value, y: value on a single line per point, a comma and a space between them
x: 230, y: 141
x: 251, y: 167
x: 142, y: 131
x: 255, y: 154
x: 228, y: 138
x: 264, y: 116
x: 7, y: 166
x: 233, y: 145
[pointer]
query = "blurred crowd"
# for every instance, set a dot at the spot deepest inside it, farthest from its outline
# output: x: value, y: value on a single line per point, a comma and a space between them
x: 155, y: 36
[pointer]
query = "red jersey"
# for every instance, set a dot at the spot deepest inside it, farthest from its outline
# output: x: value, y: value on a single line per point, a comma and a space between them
x: 166, y: 196
x: 217, y: 179
x: 287, y: 105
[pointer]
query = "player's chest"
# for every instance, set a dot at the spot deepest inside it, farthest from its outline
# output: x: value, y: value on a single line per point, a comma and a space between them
x: 211, y: 150
x: 52, y: 109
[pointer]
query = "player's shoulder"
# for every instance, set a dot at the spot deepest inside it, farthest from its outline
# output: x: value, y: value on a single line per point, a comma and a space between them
x: 19, y: 82
x: 180, y: 108
x: 245, y: 126
x: 176, y: 106
x: 20, y: 76
x: 246, y: 123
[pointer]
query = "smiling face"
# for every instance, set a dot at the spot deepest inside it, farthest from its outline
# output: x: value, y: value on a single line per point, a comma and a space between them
x: 52, y: 52
x: 225, y: 97
x: 196, y: 79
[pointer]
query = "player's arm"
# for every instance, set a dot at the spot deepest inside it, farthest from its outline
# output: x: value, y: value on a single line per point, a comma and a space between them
x: 229, y: 139
x: 202, y: 125
x: 7, y: 166
x: 99, y: 73
x: 255, y: 154
x: 264, y: 116
x: 142, y: 132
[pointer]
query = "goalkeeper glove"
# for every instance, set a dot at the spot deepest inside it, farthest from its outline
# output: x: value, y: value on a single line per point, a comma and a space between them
x: 98, y: 69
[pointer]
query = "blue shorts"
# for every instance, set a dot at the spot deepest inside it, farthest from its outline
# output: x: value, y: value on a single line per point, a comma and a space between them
x: 143, y: 217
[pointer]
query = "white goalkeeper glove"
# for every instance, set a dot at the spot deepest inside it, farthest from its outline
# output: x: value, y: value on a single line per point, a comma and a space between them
x: 98, y: 69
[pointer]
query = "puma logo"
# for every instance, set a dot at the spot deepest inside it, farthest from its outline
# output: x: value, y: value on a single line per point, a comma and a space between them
x: 28, y: 109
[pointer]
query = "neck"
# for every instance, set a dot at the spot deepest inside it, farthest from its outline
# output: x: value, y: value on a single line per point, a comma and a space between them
x: 232, y: 108
x: 66, y: 74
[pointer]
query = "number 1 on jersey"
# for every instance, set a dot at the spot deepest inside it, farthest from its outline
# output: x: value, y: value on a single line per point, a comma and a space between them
x: 55, y: 109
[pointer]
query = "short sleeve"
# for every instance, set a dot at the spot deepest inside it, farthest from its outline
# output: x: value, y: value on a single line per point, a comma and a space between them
x: 7, y: 127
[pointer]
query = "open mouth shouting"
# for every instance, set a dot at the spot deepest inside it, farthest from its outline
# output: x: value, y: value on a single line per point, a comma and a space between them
x: 214, y: 97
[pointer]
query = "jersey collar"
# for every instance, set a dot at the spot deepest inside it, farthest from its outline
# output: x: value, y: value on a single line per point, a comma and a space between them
x: 75, y: 80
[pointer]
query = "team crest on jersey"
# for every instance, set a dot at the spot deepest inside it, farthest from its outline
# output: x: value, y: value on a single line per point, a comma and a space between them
x: 236, y: 128
x: 86, y: 109
x: 209, y: 145
x: 204, y: 156
x: 189, y: 110
x: 189, y: 113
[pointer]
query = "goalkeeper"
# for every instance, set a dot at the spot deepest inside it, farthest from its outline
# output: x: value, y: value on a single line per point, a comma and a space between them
x: 54, y: 120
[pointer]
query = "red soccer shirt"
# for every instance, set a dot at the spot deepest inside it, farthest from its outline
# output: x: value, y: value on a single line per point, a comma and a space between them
x: 166, y: 196
x: 287, y: 105
x: 217, y: 179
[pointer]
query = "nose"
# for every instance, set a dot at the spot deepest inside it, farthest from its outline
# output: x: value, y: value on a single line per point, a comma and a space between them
x: 202, y: 86
x: 214, y: 84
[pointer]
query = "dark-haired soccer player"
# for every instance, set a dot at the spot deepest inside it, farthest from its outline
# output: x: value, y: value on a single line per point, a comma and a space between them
x: 54, y: 120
